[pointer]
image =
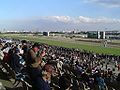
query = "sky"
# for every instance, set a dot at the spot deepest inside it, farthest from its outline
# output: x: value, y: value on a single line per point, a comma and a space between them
x: 81, y: 14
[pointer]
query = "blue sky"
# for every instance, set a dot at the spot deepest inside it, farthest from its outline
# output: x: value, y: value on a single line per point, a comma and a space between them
x: 83, y: 9
x: 17, y: 9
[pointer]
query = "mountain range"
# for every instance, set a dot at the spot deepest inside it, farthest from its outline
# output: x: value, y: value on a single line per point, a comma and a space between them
x: 61, y: 23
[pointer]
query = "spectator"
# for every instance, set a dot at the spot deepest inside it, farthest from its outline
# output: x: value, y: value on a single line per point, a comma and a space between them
x: 101, y: 83
x: 65, y: 82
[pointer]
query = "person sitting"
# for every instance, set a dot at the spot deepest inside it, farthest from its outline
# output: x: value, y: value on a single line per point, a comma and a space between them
x: 42, y: 82
x: 65, y: 82
x: 15, y: 61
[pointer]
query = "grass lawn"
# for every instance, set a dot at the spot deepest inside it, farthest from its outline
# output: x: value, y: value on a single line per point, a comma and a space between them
x: 92, y: 47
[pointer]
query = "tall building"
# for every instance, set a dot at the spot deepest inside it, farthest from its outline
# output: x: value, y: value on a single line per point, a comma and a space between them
x: 96, y: 34
x: 102, y: 35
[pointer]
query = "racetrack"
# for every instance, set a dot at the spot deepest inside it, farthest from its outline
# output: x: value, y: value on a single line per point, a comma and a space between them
x: 69, y: 43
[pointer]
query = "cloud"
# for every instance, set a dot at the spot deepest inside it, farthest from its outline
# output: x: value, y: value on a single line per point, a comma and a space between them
x: 81, y: 19
x: 64, y: 19
x: 98, y: 20
x: 108, y: 3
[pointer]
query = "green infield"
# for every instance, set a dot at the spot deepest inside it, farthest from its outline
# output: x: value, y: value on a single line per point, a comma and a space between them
x: 67, y: 44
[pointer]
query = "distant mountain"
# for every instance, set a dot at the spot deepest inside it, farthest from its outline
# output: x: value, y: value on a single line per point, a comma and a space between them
x: 61, y: 23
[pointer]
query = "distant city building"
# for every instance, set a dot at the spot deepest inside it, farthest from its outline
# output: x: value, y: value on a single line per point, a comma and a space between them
x: 93, y: 34
x: 112, y: 34
x: 96, y: 34
x: 102, y: 35
x: 45, y: 33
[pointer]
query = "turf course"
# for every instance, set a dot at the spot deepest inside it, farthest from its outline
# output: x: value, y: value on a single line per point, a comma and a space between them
x: 81, y: 46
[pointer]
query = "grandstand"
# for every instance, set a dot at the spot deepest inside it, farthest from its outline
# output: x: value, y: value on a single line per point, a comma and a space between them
x: 79, y: 69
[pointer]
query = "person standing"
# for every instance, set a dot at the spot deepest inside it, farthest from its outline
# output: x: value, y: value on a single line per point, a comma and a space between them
x: 39, y: 77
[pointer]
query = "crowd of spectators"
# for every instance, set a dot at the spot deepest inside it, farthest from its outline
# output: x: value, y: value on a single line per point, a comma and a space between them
x: 58, y: 68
